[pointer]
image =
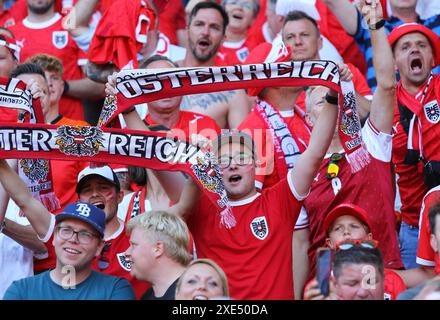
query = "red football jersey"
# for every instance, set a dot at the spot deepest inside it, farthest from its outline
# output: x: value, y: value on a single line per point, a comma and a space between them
x: 50, y: 37
x: 297, y: 127
x: 192, y: 123
x: 237, y: 52
x: 113, y: 255
x: 172, y: 19
x: 256, y: 254
x: 426, y: 256
x: 372, y: 188
x: 411, y: 185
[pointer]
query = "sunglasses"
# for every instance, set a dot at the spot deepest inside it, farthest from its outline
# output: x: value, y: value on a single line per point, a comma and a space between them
x: 103, y: 262
x: 348, y: 244
x: 333, y: 167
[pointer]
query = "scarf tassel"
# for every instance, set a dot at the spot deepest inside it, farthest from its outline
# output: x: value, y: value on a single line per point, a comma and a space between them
x: 227, y: 218
x: 359, y: 158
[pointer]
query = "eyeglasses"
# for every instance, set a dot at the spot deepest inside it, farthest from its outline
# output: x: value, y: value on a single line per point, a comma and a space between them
x: 84, y: 237
x: 348, y: 244
x: 248, y: 5
x: 333, y: 167
x: 103, y: 262
x: 241, y: 159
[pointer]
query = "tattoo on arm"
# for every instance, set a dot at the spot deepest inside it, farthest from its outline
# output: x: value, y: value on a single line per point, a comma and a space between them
x: 100, y: 72
x: 206, y: 100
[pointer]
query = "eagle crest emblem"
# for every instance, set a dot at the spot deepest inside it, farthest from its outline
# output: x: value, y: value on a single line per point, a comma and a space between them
x: 108, y: 109
x: 35, y: 170
x: 79, y: 141
x: 350, y: 123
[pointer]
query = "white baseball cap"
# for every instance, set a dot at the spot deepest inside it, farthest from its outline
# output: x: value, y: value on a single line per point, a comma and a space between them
x: 105, y: 172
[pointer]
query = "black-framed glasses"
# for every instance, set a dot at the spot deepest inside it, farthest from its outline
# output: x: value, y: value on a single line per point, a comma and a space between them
x: 333, y: 167
x: 241, y: 159
x: 83, y: 237
x: 348, y: 244
x: 104, y: 262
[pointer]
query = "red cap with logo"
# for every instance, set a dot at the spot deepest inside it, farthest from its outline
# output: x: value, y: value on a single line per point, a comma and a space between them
x: 267, y: 53
x: 411, y: 27
x: 346, y: 209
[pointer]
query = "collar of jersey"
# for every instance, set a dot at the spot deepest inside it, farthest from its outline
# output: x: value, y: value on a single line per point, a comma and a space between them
x: 41, y: 25
x: 117, y: 232
x: 244, y: 201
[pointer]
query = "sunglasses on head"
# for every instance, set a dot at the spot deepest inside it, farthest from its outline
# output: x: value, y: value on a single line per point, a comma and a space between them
x: 348, y: 244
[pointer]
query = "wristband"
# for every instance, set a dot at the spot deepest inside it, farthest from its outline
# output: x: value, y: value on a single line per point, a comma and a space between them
x: 66, y: 87
x: 377, y: 25
x: 330, y: 99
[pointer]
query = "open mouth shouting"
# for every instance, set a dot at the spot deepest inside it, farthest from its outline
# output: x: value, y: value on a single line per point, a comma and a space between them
x: 203, y: 44
x: 234, y: 179
x: 99, y: 204
x: 416, y: 65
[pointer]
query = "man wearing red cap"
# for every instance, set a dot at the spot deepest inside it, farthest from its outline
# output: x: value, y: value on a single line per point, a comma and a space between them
x: 416, y: 124
x: 348, y: 222
x: 336, y: 183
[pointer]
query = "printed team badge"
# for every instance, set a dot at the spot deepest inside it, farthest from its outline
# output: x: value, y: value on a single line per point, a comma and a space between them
x: 79, y: 140
x: 35, y: 170
x: 125, y: 264
x: 208, y: 174
x: 259, y: 228
x: 60, y: 39
x: 242, y: 54
x: 432, y: 111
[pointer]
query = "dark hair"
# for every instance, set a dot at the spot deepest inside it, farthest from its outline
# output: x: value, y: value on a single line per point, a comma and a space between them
x: 297, y: 15
x: 27, y: 68
x: 138, y: 175
x: 156, y: 57
x: 210, y: 5
x: 434, y: 210
x: 357, y: 255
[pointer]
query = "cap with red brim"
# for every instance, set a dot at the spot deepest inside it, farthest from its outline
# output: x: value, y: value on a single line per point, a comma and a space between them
x: 346, y: 209
x: 411, y: 27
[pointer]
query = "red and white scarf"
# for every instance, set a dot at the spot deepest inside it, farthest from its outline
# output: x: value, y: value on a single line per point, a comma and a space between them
x: 154, y: 150
x: 36, y: 174
x: 287, y: 146
x: 142, y: 86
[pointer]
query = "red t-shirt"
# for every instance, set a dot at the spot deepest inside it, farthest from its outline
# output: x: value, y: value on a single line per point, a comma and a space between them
x: 253, y: 122
x: 426, y: 256
x: 372, y: 188
x: 50, y: 37
x: 113, y: 253
x: 192, y: 123
x: 256, y: 254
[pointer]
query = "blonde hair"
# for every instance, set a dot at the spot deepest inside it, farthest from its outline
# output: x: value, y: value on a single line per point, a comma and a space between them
x: 215, y: 266
x: 47, y: 63
x: 167, y: 228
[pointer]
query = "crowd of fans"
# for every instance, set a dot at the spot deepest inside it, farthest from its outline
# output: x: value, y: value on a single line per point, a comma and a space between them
x: 114, y: 231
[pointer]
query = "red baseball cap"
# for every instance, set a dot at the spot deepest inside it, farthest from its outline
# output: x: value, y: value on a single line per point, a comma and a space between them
x: 346, y: 209
x: 266, y: 53
x: 411, y: 27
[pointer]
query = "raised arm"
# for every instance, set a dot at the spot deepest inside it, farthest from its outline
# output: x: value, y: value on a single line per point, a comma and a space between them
x: 345, y: 12
x: 382, y: 106
x: 34, y: 210
x: 188, y: 199
x: 77, y: 21
x: 309, y: 162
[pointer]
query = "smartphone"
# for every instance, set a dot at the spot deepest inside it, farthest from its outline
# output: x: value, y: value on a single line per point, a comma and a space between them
x: 323, y: 270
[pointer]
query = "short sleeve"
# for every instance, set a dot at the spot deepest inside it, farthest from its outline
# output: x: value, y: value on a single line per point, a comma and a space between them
x: 122, y: 290
x: 379, y: 144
